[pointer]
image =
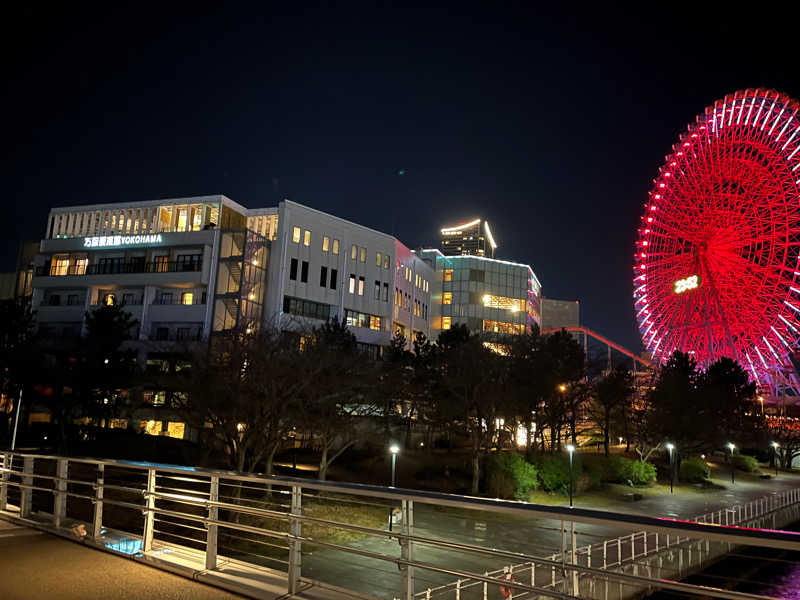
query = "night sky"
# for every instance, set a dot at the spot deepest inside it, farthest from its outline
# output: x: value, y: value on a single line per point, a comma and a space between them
x: 550, y: 125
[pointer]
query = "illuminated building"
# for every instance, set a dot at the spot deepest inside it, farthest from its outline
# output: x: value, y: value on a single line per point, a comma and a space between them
x: 473, y: 238
x: 189, y: 268
x: 494, y: 297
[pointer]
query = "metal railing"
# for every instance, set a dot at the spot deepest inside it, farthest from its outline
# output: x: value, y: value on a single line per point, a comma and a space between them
x: 629, y: 550
x: 338, y: 536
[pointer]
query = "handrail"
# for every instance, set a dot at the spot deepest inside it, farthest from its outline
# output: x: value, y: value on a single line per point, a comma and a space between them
x: 210, y: 514
x: 730, y: 534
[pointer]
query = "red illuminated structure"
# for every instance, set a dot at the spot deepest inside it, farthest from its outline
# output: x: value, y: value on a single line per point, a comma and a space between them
x: 716, y: 266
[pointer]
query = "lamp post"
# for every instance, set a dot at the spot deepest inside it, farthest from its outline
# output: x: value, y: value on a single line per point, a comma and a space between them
x: 571, y: 450
x: 394, y: 449
x: 671, y: 447
x: 292, y: 436
x: 775, y: 447
x: 761, y: 399
x: 731, y: 447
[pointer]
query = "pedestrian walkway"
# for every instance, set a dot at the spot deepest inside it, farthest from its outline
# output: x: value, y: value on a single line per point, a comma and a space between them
x: 36, y: 565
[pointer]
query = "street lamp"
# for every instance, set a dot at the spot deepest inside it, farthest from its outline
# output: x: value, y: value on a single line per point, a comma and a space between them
x: 562, y: 388
x: 775, y: 446
x: 671, y: 447
x: 761, y: 399
x: 731, y: 447
x: 571, y: 450
x: 394, y: 449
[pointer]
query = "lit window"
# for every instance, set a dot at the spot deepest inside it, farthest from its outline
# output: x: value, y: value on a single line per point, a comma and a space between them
x: 175, y: 430
x: 363, y: 255
x: 110, y: 299
x: 385, y: 261
x: 187, y: 298
x: 374, y: 322
x: 378, y: 261
x: 360, y: 286
x: 446, y: 322
x: 503, y: 302
x: 326, y: 243
x: 296, y: 235
x: 352, y: 288
x: 80, y: 266
x: 447, y: 298
x: 183, y: 219
x: 336, y: 246
x: 307, y: 238
x: 59, y: 265
x: 448, y: 274
x: 354, y: 252
x: 151, y: 427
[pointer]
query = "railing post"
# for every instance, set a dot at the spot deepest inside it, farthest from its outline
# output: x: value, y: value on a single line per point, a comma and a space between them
x: 211, y: 528
x: 60, y: 491
x: 406, y: 547
x: 458, y: 589
x: 295, y: 530
x: 26, y: 494
x: 97, y: 520
x: 645, y: 543
x: 605, y: 554
x: 486, y: 585
x: 575, y: 587
x: 149, y: 512
x: 7, y: 458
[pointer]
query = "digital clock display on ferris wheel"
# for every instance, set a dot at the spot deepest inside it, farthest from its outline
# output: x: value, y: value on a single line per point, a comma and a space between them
x: 687, y: 283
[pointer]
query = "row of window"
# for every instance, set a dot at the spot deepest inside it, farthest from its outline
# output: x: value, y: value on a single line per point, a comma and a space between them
x: 327, y: 277
x: 134, y: 221
x: 403, y: 300
x: 491, y: 301
x: 63, y: 264
x: 357, y: 253
x: 306, y: 308
x: 359, y: 319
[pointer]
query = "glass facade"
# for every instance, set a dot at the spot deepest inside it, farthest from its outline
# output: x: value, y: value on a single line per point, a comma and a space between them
x: 488, y: 295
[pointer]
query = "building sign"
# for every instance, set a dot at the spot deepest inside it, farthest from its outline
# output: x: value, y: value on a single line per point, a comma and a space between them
x: 687, y: 283
x: 110, y: 241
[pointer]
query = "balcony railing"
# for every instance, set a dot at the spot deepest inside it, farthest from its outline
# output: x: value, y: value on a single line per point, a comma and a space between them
x: 161, y: 301
x: 176, y: 335
x: 115, y: 268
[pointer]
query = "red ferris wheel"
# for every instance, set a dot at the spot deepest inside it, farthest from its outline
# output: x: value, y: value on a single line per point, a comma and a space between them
x: 716, y: 268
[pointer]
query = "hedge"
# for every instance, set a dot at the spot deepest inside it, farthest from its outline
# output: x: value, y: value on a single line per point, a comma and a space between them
x: 554, y: 472
x: 745, y: 463
x: 624, y: 470
x: 694, y: 470
x: 509, y: 475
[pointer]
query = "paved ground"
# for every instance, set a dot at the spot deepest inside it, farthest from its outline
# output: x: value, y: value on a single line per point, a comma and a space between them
x: 36, y: 565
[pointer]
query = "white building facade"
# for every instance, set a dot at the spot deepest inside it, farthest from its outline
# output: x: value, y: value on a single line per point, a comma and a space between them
x: 190, y: 267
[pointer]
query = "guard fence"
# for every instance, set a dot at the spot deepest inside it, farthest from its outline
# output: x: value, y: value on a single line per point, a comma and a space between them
x: 265, y: 536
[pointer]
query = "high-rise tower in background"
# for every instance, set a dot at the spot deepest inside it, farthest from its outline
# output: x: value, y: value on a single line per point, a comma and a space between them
x: 473, y: 238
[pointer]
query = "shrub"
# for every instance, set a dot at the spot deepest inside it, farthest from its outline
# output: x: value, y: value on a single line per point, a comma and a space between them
x: 509, y: 475
x: 554, y: 472
x: 694, y: 470
x: 625, y: 470
x: 745, y: 463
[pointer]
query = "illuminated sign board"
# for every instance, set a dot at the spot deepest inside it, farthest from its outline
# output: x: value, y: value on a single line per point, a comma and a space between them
x: 110, y: 241
x: 687, y: 283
